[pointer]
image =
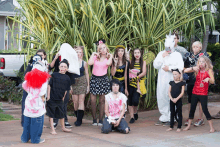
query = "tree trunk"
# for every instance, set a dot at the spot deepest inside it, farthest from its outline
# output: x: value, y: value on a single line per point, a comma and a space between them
x: 206, y: 34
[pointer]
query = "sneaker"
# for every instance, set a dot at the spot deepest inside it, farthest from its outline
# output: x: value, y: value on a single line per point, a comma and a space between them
x: 199, y: 122
x: 42, y: 140
x: 94, y: 122
x: 132, y: 120
x: 159, y: 123
x: 100, y: 123
x: 166, y: 124
x: 67, y: 125
x: 136, y: 116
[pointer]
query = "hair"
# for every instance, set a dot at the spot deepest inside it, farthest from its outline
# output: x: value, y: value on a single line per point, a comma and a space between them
x: 197, y: 43
x: 44, y: 52
x: 180, y: 72
x: 123, y: 58
x: 140, y: 60
x: 115, y: 81
x: 177, y: 36
x: 98, y: 49
x: 208, y: 64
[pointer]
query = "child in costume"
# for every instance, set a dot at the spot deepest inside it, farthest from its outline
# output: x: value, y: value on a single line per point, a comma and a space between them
x: 99, y: 82
x: 35, y: 85
x: 40, y: 55
x: 58, y: 86
x: 133, y: 97
x: 115, y: 103
x: 176, y: 91
x: 204, y: 76
x: 191, y: 60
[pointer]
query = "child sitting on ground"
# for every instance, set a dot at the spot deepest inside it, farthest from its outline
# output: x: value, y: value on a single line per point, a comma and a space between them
x: 57, y: 88
x: 176, y: 91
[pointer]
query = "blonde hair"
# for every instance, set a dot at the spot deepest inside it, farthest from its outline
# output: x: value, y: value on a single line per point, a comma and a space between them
x: 197, y: 43
x: 99, y: 47
x: 208, y: 64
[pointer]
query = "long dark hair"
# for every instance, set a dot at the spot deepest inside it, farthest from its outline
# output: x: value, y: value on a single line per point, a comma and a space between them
x: 43, y: 51
x: 140, y: 60
x: 116, y: 54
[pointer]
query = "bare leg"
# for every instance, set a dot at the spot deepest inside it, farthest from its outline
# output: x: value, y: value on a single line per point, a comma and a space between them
x: 81, y: 102
x: 131, y: 111
x: 138, y: 88
x: 189, y: 124
x: 135, y: 109
x: 212, y: 130
x: 75, y: 102
x: 63, y: 126
x: 53, y: 132
x: 170, y: 129
x: 101, y: 106
x: 200, y: 111
x: 93, y: 104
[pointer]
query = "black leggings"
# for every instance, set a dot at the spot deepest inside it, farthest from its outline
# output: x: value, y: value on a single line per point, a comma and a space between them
x: 204, y: 102
x: 189, y: 92
x: 177, y: 110
x: 133, y: 97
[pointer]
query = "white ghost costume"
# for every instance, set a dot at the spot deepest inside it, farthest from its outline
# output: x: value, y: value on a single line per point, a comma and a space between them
x: 173, y: 61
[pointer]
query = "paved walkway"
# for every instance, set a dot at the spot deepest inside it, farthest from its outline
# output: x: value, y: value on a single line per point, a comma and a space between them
x: 143, y: 132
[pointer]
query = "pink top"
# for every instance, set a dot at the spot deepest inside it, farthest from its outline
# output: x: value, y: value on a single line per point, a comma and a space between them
x: 99, y: 68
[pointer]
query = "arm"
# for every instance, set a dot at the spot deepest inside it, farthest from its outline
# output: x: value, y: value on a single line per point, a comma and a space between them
x: 113, y: 70
x: 158, y: 62
x: 144, y: 70
x: 87, y: 75
x: 125, y: 75
x: 109, y: 62
x: 211, y: 79
x: 48, y: 92
x: 181, y: 94
x: 64, y: 95
x: 91, y: 61
x: 169, y: 93
x: 54, y: 60
x: 121, y: 115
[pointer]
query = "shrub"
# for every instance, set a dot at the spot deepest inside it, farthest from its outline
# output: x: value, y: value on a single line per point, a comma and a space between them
x: 9, y: 91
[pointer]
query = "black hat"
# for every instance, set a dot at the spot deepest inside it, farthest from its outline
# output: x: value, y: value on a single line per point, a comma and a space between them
x: 64, y: 61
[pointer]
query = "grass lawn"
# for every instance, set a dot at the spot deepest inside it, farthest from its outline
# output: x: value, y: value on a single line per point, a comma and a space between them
x: 5, y: 117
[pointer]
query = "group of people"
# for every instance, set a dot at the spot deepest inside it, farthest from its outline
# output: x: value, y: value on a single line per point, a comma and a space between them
x: 178, y: 68
x: 49, y: 93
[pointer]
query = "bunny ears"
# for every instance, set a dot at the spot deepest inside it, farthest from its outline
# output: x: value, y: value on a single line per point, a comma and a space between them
x: 100, y: 42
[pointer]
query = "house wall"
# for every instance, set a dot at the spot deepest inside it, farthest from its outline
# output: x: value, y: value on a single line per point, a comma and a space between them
x: 13, y: 37
x: 2, y: 32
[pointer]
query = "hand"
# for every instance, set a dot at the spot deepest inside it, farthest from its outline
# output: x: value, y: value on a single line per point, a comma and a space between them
x: 109, y: 55
x: 166, y: 68
x: 115, y: 60
x: 196, y: 68
x: 126, y: 92
x: 117, y: 123
x: 71, y: 91
x: 206, y: 80
x: 174, y: 100
x: 127, y: 54
x: 48, y: 98
x: 165, y: 54
x: 57, y: 55
x: 87, y: 91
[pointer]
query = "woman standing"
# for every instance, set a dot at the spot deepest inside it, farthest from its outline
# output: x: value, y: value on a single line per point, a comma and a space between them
x: 133, y: 98
x: 99, y: 83
x: 120, y: 68
x: 81, y: 87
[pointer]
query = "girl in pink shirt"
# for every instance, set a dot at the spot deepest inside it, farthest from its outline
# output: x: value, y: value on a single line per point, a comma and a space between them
x: 99, y: 83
